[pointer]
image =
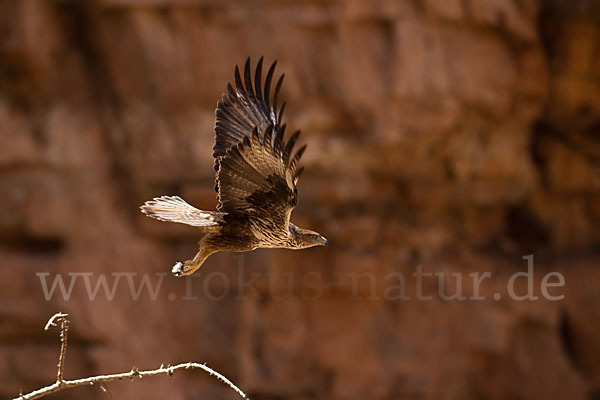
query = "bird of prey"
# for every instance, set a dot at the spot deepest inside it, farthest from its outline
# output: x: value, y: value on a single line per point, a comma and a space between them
x: 256, y: 177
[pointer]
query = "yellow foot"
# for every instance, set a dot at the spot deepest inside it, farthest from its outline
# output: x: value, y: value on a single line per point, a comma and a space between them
x: 182, y: 269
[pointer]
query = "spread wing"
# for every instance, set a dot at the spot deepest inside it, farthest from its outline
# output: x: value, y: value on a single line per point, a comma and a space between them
x: 258, y: 178
x: 246, y: 107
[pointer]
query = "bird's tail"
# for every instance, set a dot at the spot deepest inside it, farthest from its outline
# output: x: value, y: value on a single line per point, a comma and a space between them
x: 175, y: 209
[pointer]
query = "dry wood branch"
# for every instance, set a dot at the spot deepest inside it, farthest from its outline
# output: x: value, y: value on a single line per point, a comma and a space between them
x: 61, y: 383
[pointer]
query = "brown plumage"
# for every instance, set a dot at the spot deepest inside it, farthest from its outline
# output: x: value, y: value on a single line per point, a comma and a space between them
x: 256, y: 176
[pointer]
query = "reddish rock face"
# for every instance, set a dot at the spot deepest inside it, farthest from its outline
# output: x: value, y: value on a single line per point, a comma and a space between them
x: 451, y: 137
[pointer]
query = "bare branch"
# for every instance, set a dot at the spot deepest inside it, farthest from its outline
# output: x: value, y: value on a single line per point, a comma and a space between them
x: 61, y: 383
x: 134, y: 373
x: 51, y: 321
x: 64, y: 327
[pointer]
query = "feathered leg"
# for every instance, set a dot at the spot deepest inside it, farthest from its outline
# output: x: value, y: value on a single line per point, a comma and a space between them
x: 188, y: 267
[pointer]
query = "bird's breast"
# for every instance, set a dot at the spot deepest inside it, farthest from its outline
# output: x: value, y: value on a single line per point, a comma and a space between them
x: 269, y: 234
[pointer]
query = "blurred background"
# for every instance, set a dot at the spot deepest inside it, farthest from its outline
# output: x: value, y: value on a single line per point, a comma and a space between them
x: 456, y: 135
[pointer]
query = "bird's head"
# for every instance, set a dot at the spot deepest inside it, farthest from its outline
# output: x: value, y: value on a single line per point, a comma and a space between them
x: 304, y: 238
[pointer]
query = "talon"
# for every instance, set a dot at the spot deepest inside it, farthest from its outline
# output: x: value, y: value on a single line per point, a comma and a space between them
x: 177, y: 269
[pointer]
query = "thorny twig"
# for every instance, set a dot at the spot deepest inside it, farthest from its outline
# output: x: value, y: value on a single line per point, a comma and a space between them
x: 64, y: 327
x: 61, y: 383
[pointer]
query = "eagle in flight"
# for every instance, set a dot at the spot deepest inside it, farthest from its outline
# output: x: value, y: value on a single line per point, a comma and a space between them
x: 256, y: 177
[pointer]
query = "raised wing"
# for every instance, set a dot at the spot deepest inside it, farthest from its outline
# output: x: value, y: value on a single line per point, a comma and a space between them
x: 246, y: 107
x: 258, y: 178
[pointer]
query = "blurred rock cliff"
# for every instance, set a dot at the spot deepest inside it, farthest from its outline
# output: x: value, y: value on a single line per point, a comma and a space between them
x: 456, y: 135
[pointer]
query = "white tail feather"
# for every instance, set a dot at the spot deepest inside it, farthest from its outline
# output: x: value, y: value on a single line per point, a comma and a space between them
x: 175, y: 209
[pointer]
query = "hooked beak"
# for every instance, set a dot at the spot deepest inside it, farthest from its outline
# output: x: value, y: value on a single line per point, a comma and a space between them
x: 323, y: 241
